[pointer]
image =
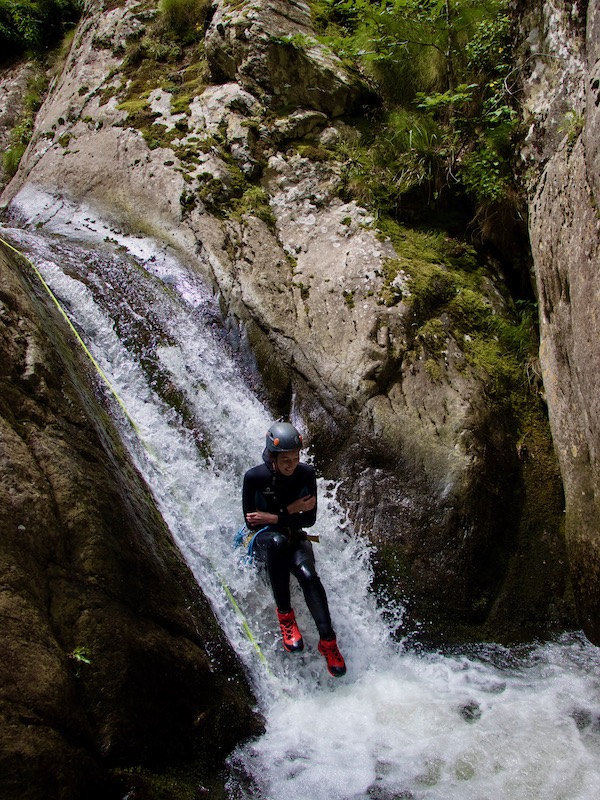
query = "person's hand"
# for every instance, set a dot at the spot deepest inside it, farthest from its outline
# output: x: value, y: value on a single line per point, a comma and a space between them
x: 302, y: 504
x: 261, y: 518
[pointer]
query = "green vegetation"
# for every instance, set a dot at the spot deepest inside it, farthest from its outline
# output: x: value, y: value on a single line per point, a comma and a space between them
x: 185, y: 18
x: 29, y: 27
x: 166, y: 54
x: 436, y: 159
x: 304, y: 290
x: 447, y: 287
x: 572, y: 125
x: 348, y: 298
x: 442, y: 70
x: 80, y: 656
x: 255, y: 201
x: 21, y: 133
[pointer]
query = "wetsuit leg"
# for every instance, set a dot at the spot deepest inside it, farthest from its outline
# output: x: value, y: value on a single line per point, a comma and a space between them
x: 305, y: 570
x: 272, y: 548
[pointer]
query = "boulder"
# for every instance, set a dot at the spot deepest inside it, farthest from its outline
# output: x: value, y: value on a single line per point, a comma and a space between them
x: 270, y: 49
x: 112, y: 657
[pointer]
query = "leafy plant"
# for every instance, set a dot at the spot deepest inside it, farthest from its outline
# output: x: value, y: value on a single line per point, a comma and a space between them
x: 80, y: 656
x: 442, y: 69
x: 22, y: 131
x: 34, y: 25
x: 185, y: 18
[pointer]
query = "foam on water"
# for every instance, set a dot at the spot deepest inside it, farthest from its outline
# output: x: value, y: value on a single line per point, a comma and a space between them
x: 498, y: 725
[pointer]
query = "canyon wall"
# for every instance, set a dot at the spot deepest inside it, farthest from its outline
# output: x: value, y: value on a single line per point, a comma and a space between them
x: 228, y: 153
x: 561, y: 66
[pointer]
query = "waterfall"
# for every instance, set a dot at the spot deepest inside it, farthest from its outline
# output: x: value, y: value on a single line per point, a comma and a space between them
x: 493, y: 724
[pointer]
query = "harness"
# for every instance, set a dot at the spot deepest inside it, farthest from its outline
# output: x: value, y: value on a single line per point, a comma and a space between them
x: 245, y: 538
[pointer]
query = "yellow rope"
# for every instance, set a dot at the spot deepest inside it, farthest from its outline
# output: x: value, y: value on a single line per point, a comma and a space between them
x: 244, y: 621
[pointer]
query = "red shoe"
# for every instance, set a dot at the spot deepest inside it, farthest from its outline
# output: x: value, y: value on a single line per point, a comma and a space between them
x: 292, y: 638
x: 335, y: 661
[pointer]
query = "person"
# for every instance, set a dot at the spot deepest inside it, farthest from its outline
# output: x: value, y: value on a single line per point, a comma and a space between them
x: 279, y: 501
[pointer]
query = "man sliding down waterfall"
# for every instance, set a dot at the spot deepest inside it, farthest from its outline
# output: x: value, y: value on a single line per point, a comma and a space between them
x: 279, y: 500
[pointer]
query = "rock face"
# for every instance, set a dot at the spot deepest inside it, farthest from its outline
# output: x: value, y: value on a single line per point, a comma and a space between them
x: 249, y: 194
x: 111, y: 657
x: 563, y: 102
x: 269, y: 48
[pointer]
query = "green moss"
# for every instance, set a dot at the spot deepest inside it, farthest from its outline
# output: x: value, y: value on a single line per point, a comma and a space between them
x: 312, y: 151
x: 433, y: 338
x: 21, y: 133
x: 194, y: 81
x: 348, y: 298
x: 572, y: 125
x: 188, y: 201
x: 104, y: 95
x: 136, y: 106
x: 414, y: 244
x: 304, y: 290
x: 391, y: 294
x: 444, y: 279
x: 166, y: 54
x: 255, y: 202
x: 434, y: 369
x: 431, y: 288
x: 234, y: 198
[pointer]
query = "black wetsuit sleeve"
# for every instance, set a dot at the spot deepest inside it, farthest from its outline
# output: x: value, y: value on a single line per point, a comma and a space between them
x: 250, y: 491
x: 305, y: 484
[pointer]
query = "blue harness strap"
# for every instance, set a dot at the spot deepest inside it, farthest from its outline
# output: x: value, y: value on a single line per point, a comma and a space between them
x: 245, y: 538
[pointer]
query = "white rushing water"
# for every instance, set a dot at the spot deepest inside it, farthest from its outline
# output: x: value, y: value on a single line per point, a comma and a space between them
x: 498, y: 725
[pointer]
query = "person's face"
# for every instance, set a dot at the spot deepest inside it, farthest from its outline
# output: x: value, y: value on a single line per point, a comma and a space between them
x: 286, y: 463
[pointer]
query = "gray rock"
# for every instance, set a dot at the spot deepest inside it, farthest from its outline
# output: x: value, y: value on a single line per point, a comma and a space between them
x: 565, y: 240
x: 270, y: 48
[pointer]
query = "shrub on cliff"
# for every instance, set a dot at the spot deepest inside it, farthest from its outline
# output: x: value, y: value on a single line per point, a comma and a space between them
x: 31, y: 26
x: 444, y: 72
x: 185, y: 17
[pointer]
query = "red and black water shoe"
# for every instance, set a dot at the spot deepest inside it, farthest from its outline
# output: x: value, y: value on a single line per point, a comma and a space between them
x: 292, y: 638
x: 335, y: 661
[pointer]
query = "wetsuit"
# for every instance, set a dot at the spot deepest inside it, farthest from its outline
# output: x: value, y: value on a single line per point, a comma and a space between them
x: 284, y: 547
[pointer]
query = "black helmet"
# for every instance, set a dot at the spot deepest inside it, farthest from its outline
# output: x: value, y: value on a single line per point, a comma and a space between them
x: 283, y: 437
